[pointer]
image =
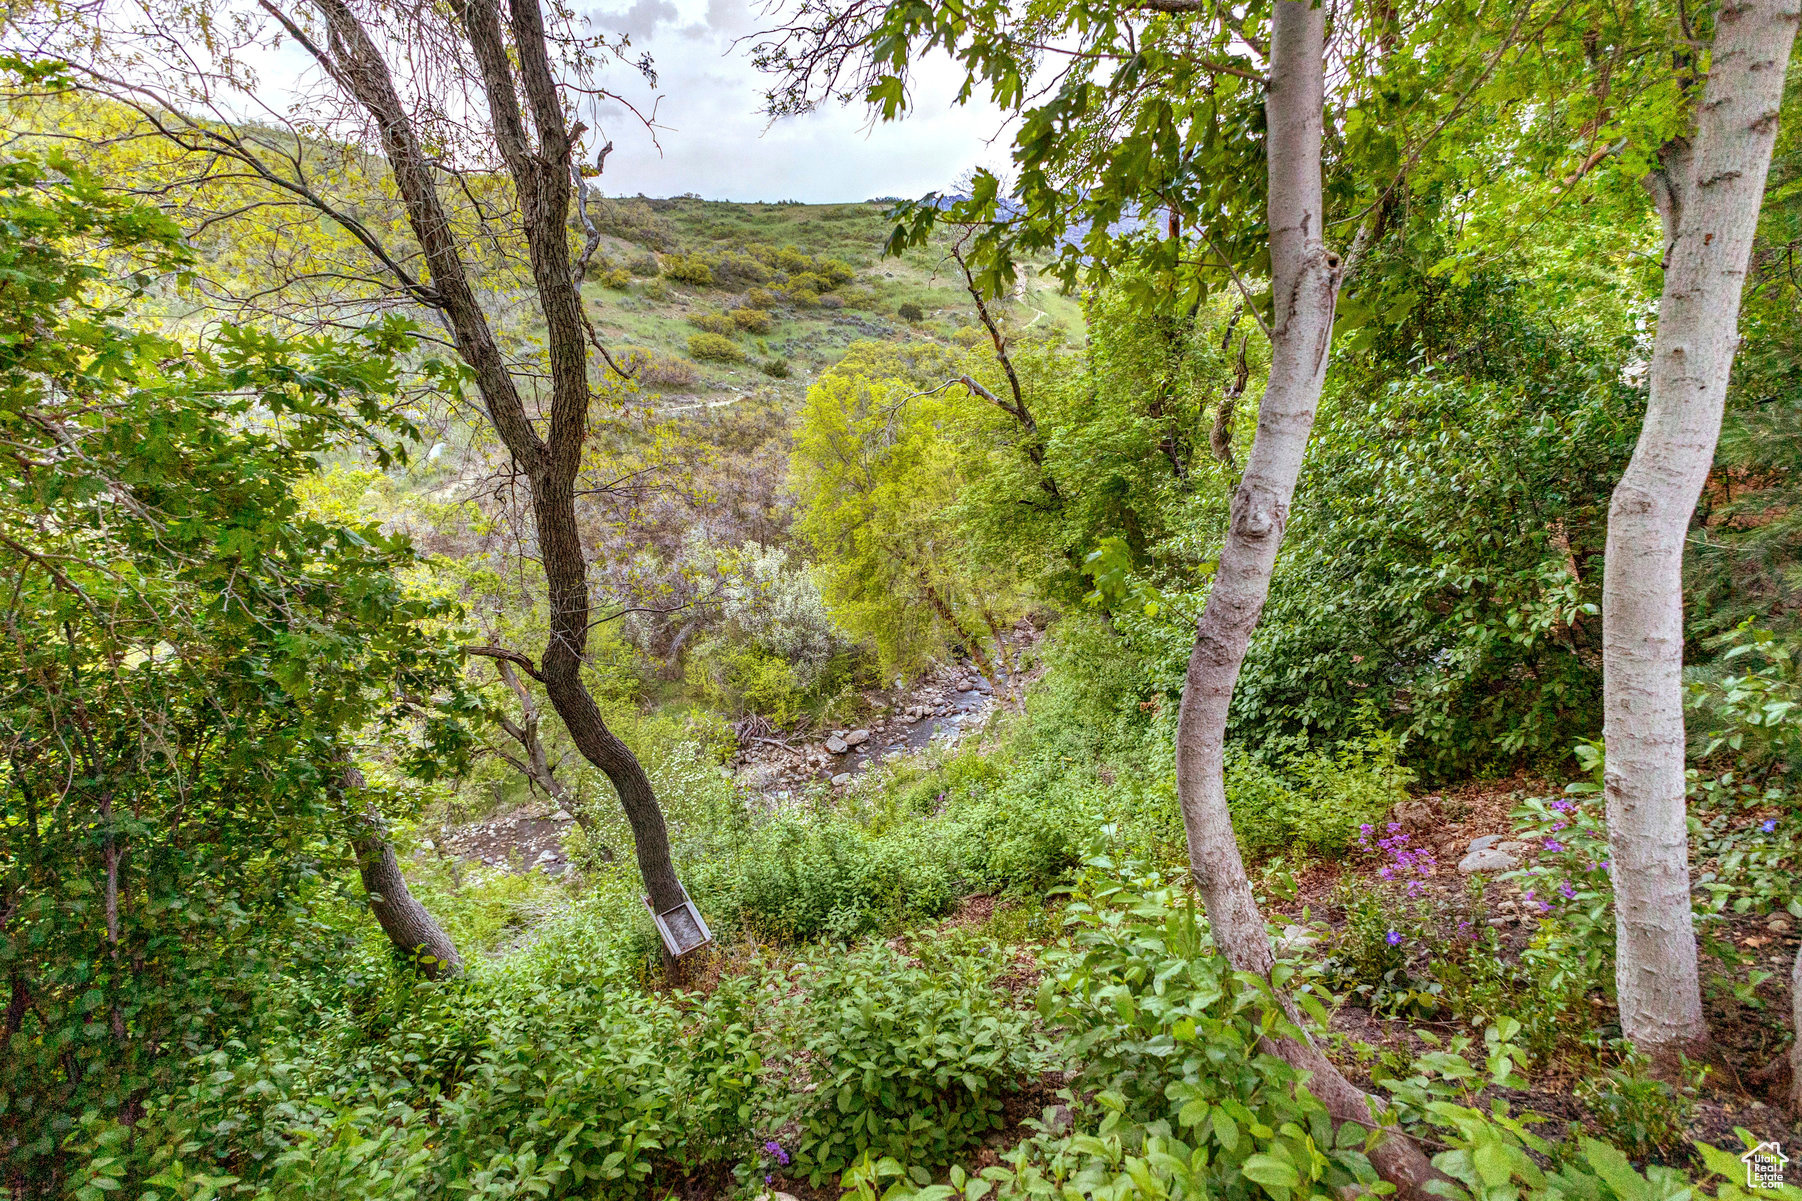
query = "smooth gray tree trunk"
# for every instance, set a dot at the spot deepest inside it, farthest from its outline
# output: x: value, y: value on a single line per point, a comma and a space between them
x: 1305, y: 277
x: 1708, y: 192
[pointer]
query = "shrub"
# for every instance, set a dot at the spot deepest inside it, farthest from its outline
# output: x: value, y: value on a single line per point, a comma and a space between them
x: 556, y: 1080
x: 649, y: 369
x: 798, y: 882
x: 618, y: 279
x: 1644, y: 1116
x: 633, y: 220
x: 1318, y: 800
x: 907, y: 310
x: 733, y: 268
x: 714, y: 323
x: 688, y: 269
x: 716, y: 347
x: 903, y: 1061
x: 752, y: 321
x: 807, y: 281
x: 761, y: 298
x: 644, y: 265
x: 776, y: 368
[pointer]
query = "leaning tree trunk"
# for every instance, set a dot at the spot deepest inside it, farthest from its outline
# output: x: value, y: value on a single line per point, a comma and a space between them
x: 1305, y: 278
x: 407, y: 923
x: 1708, y: 195
x: 541, y: 176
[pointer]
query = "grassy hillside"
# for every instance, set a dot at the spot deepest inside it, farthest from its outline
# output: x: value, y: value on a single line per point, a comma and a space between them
x: 644, y: 292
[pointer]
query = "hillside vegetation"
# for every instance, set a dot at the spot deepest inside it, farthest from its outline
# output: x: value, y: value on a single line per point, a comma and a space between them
x: 1145, y: 704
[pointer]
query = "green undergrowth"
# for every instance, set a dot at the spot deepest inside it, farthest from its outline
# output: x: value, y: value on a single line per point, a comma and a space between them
x: 553, y: 1073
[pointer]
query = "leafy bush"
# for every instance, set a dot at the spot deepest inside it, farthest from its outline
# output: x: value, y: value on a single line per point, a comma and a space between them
x: 775, y: 368
x: 1172, y: 1083
x: 750, y: 320
x: 633, y: 220
x: 715, y: 347
x: 556, y: 1078
x: 687, y: 269
x: 901, y: 1060
x: 1318, y: 800
x: 796, y: 880
x: 714, y: 323
x: 649, y: 369
x: 733, y: 268
x: 907, y: 310
x: 760, y: 298
x: 1642, y: 1115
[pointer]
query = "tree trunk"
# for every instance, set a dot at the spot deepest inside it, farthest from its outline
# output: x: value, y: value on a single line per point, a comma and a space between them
x: 1305, y: 278
x: 403, y: 919
x: 1795, y: 1030
x: 971, y: 642
x: 1709, y: 196
x: 541, y: 177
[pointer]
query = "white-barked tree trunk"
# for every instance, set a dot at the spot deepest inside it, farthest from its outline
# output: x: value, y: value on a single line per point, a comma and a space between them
x: 1708, y: 192
x: 1305, y: 277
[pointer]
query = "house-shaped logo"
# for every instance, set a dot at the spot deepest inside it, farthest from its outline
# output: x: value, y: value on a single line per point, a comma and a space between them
x: 1764, y: 1165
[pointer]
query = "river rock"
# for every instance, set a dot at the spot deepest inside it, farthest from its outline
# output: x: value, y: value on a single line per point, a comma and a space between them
x: 1414, y: 815
x: 563, y: 815
x: 1490, y: 859
x: 1485, y: 842
x: 857, y: 737
x: 759, y: 776
x: 843, y: 778
x: 1514, y: 847
x: 837, y: 745
x: 964, y: 686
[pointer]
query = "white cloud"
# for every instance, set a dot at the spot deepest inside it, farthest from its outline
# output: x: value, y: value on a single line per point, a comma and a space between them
x: 640, y: 21
x: 716, y: 141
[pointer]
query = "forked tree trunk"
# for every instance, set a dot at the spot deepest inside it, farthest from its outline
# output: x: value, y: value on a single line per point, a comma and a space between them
x: 407, y: 923
x: 1708, y: 195
x: 1305, y: 279
x: 541, y: 172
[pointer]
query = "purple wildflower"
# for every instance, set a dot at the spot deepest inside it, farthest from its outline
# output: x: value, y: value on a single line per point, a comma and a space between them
x: 1552, y: 844
x: 1559, y: 825
x: 1393, y: 939
x: 775, y: 1148
x: 1570, y: 892
x: 1769, y: 826
x: 1564, y: 806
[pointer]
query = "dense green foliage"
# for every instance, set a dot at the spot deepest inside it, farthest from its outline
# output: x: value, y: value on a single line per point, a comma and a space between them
x: 214, y: 609
x: 189, y: 657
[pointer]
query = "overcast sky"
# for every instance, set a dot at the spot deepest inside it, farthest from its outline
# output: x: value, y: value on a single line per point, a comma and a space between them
x: 716, y: 142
